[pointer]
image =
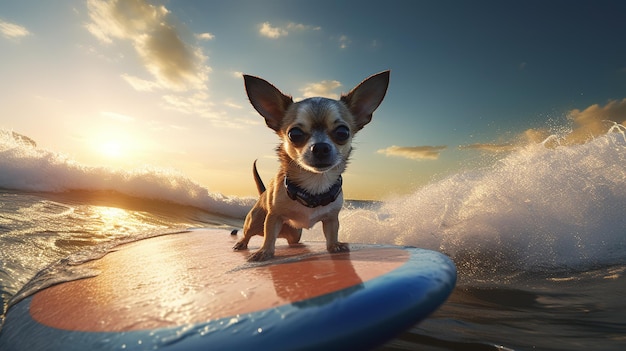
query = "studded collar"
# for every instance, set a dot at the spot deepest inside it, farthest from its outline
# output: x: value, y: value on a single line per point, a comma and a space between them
x: 309, y: 200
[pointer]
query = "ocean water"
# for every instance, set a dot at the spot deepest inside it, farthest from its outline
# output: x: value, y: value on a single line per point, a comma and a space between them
x: 538, y: 237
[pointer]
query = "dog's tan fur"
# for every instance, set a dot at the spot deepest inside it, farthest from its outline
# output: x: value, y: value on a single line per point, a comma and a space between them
x: 322, y: 121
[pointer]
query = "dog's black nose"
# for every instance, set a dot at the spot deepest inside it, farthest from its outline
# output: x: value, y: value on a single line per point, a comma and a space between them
x: 321, y: 150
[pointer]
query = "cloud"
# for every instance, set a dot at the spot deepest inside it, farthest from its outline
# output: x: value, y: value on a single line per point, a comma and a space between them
x: 489, y: 147
x: 232, y: 104
x: 172, y: 62
x: 140, y: 84
x: 595, y: 120
x: 533, y: 136
x: 272, y: 32
x: 344, y: 41
x: 267, y: 30
x: 414, y: 152
x: 118, y: 19
x: 13, y: 31
x: 205, y: 36
x: 302, y: 27
x: 198, y: 104
x: 195, y: 103
x: 530, y: 136
x: 324, y: 88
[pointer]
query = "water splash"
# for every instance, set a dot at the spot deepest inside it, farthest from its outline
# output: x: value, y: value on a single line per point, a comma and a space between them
x: 537, y: 208
x: 26, y: 167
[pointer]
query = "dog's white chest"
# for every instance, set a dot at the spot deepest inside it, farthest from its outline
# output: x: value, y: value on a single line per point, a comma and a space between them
x: 304, y: 217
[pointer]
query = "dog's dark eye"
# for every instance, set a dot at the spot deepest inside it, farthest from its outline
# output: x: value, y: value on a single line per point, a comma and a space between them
x: 341, y: 133
x: 297, y: 136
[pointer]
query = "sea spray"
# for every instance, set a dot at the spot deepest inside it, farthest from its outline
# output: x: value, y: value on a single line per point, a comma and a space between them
x: 29, y: 168
x: 537, y: 208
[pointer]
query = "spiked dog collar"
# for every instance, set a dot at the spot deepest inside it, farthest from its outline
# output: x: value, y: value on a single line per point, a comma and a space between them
x: 309, y: 200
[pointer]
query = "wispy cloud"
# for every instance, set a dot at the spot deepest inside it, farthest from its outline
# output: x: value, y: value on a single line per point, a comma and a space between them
x: 205, y: 36
x: 489, y: 147
x: 302, y: 27
x: 595, y: 120
x: 197, y: 103
x: 266, y: 29
x: 413, y: 152
x: 587, y: 123
x: 344, y: 41
x: 141, y: 84
x: 324, y: 88
x: 13, y: 31
x: 173, y: 63
x: 232, y: 104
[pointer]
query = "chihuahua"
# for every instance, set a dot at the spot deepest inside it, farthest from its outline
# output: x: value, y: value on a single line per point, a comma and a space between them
x: 316, y: 142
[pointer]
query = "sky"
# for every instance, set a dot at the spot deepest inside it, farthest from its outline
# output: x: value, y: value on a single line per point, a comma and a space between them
x: 135, y: 83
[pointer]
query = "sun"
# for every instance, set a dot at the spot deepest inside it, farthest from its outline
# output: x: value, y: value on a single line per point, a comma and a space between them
x: 111, y: 149
x: 118, y: 148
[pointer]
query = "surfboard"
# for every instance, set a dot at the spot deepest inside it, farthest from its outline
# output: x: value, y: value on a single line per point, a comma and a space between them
x: 190, y: 291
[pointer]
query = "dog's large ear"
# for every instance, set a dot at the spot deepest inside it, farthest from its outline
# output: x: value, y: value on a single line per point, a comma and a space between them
x: 366, y: 97
x: 267, y: 100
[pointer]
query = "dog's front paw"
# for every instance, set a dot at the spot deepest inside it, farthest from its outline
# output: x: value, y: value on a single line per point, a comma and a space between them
x: 338, y: 247
x: 241, y: 245
x: 261, y: 255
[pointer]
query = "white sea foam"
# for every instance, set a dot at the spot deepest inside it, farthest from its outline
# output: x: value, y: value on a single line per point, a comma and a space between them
x: 24, y: 166
x: 536, y: 208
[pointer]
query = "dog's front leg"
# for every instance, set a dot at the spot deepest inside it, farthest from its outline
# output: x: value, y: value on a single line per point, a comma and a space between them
x: 331, y: 232
x: 273, y: 224
x: 255, y: 221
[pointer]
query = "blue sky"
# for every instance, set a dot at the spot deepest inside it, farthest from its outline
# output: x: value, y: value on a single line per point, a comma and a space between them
x: 139, y: 83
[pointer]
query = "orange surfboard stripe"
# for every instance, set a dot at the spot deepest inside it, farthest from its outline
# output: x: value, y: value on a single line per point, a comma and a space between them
x: 194, y: 277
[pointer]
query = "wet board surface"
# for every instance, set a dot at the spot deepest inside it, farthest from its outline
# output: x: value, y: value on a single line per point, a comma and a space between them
x: 190, y: 291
